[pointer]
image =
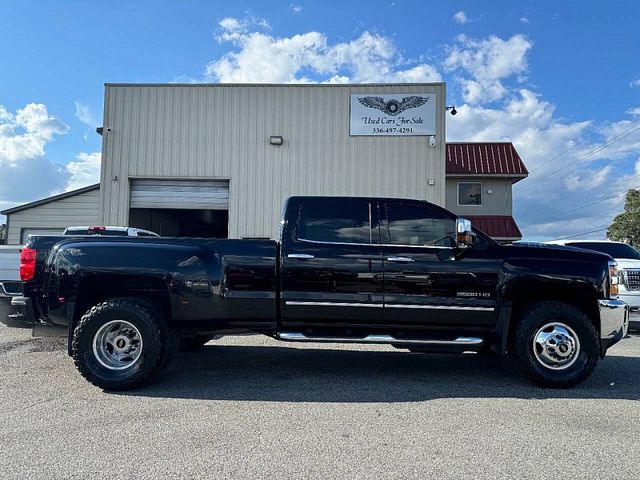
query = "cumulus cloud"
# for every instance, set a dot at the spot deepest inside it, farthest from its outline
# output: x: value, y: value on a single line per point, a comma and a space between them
x: 524, y: 20
x: 634, y: 83
x: 83, y: 170
x: 488, y: 62
x: 259, y: 57
x: 295, y: 8
x: 460, y: 18
x: 25, y: 134
x: 25, y: 172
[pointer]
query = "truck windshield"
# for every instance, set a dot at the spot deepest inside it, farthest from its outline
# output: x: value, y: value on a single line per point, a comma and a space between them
x: 616, y: 250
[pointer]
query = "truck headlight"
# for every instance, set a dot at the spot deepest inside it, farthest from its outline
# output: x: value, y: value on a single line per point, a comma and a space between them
x: 613, y: 278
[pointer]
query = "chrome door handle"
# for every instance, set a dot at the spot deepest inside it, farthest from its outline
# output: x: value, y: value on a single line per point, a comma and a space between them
x: 301, y: 256
x: 400, y: 259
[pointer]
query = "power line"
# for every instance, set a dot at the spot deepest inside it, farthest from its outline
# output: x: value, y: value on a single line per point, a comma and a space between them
x: 584, y: 206
x: 576, y: 163
x: 588, y: 137
x: 583, y: 233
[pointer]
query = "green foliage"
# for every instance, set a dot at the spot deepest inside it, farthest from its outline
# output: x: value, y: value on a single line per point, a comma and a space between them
x: 626, y: 226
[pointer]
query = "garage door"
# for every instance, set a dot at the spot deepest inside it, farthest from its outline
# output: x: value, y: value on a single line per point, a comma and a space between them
x: 180, y: 194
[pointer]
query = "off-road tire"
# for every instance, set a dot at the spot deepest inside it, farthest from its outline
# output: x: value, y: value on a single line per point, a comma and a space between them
x: 521, y: 346
x: 155, y: 335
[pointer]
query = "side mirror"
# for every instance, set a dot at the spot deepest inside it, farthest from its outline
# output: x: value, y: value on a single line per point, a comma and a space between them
x: 465, y: 237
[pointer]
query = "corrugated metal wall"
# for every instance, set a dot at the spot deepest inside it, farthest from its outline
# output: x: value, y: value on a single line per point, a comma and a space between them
x: 222, y: 131
x: 79, y: 209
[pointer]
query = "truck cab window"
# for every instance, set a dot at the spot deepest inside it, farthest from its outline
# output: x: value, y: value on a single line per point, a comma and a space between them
x: 412, y: 224
x: 342, y: 222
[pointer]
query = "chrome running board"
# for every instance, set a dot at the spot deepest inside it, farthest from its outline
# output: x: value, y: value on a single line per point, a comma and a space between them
x: 301, y: 337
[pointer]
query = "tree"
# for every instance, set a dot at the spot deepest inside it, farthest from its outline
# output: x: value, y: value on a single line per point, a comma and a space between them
x: 626, y: 226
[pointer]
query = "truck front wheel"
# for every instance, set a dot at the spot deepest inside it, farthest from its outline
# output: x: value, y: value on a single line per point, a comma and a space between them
x: 555, y: 345
x: 120, y: 343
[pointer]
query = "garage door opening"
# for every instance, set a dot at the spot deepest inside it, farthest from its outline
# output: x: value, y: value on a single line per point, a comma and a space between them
x: 181, y: 208
x: 181, y: 223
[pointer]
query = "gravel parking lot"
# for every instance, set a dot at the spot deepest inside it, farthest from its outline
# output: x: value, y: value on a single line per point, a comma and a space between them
x: 251, y: 407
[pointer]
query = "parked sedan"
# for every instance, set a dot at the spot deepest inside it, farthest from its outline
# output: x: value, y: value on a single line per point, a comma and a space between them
x: 628, y: 259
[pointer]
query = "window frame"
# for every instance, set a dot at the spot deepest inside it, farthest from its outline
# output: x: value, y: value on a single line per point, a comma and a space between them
x: 468, y: 204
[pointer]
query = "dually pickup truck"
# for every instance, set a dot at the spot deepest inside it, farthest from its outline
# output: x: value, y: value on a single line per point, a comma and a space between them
x: 346, y: 269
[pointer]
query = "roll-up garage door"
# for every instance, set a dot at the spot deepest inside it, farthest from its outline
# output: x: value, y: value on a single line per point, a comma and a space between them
x: 180, y: 194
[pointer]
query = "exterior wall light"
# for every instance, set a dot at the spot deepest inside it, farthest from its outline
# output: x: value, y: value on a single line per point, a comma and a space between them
x: 275, y: 140
x: 432, y: 140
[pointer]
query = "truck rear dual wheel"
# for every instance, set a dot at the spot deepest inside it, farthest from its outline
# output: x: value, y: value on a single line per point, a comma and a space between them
x: 121, y: 343
x: 555, y: 345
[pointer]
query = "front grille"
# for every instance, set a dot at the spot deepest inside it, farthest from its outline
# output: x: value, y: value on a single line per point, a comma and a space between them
x: 631, y: 279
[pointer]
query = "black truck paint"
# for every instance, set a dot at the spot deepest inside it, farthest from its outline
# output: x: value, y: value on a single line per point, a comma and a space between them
x: 372, y: 281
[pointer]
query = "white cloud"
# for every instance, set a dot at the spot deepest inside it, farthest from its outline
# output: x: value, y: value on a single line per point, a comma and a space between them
x: 25, y: 134
x: 25, y: 172
x: 84, y: 170
x: 488, y: 61
x: 85, y: 115
x: 295, y: 8
x: 460, y: 18
x: 634, y: 83
x: 566, y: 174
x: 261, y: 58
x: 524, y: 20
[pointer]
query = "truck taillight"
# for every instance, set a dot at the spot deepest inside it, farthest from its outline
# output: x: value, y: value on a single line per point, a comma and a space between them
x: 613, y: 279
x: 27, y: 264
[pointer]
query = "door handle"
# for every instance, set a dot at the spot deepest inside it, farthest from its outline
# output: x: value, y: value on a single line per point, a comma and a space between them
x: 400, y: 259
x: 300, y: 256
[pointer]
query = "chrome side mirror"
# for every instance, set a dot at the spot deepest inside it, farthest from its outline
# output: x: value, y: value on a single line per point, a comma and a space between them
x: 465, y: 237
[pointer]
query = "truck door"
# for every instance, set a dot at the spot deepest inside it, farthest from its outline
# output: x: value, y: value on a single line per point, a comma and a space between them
x: 427, y: 280
x: 332, y: 264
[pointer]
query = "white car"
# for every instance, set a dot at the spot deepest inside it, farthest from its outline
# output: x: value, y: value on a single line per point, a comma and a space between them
x: 110, y: 231
x: 628, y: 260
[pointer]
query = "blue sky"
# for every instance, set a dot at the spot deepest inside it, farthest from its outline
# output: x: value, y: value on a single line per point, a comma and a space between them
x: 550, y: 76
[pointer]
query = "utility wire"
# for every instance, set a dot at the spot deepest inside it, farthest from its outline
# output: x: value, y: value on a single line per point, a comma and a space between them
x: 576, y: 163
x: 588, y: 137
x: 583, y: 206
x: 583, y: 233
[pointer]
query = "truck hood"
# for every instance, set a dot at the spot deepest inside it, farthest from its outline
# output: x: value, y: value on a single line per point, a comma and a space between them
x: 545, y: 251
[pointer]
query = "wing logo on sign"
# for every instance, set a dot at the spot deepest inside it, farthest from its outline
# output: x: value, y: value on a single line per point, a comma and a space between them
x: 393, y: 107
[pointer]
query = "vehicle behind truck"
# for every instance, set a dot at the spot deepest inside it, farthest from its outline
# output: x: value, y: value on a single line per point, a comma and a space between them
x: 401, y: 272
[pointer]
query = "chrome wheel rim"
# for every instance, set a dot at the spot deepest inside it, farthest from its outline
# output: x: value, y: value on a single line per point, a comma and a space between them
x: 556, y: 346
x: 117, y: 345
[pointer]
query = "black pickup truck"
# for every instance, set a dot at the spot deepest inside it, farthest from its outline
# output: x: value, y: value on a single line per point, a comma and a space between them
x: 347, y: 269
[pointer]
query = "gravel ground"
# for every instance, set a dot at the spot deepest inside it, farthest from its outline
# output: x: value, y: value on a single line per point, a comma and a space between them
x: 251, y: 407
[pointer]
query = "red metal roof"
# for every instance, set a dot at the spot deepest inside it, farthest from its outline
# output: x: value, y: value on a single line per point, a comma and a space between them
x: 501, y: 227
x: 484, y: 159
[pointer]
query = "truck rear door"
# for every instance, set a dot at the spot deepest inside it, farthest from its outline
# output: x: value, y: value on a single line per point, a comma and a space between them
x: 332, y: 264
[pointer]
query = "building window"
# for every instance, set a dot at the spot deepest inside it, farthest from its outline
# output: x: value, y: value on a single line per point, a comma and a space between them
x: 469, y: 193
x: 335, y: 222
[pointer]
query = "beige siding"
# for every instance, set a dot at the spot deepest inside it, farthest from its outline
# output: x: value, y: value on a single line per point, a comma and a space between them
x: 222, y: 131
x: 79, y: 209
x: 498, y: 202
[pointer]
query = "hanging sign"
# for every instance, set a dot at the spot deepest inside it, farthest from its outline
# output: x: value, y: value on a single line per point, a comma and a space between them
x: 393, y: 114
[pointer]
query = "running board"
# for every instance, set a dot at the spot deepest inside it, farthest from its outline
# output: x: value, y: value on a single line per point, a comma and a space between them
x: 384, y: 339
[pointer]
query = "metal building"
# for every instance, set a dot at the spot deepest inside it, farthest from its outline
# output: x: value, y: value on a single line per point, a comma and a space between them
x: 50, y: 216
x: 218, y: 160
